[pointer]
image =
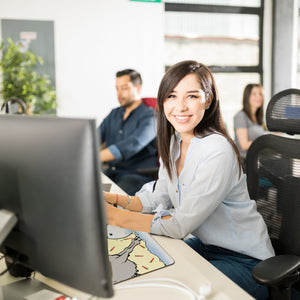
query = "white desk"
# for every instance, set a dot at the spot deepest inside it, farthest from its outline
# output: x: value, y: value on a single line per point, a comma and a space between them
x: 189, y: 268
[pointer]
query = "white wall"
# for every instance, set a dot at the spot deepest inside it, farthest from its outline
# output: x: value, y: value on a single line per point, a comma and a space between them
x: 93, y: 40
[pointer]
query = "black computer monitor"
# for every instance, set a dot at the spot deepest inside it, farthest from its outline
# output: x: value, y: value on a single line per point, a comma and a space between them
x: 50, y: 179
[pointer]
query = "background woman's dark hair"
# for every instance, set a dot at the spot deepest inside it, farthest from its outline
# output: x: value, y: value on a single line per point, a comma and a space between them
x: 246, y: 105
x: 212, y: 120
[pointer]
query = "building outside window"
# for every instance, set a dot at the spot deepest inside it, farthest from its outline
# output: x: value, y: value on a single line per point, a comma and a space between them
x: 298, y: 51
x: 226, y: 35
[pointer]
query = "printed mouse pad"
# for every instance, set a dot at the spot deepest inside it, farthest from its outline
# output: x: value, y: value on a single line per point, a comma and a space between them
x: 134, y: 253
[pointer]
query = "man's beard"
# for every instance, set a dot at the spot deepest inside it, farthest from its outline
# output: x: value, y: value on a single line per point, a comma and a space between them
x: 128, y: 104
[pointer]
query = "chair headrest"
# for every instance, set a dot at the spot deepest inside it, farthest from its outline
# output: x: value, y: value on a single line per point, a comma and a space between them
x: 283, y: 112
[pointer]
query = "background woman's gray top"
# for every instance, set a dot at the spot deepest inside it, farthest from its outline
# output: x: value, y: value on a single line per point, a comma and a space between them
x: 241, y: 120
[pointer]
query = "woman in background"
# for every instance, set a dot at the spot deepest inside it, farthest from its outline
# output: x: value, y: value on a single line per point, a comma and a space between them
x: 201, y: 179
x: 248, y: 123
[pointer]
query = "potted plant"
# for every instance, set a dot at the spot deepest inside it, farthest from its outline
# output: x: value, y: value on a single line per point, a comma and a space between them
x: 20, y: 80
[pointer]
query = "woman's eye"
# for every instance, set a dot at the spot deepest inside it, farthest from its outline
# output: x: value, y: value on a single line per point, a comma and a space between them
x: 193, y: 96
x: 171, y: 96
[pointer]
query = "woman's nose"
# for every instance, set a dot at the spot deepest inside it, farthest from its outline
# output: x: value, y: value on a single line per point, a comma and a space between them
x: 181, y: 104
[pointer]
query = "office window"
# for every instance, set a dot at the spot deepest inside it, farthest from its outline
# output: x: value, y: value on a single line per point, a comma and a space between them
x: 214, y: 38
x: 245, y: 3
x: 298, y: 51
x: 226, y: 35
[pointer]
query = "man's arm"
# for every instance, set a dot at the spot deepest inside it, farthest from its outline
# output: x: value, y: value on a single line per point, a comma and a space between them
x: 105, y: 153
x: 141, y: 135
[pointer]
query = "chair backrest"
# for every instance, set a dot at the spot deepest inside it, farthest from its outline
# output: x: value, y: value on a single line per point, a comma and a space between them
x: 151, y: 102
x: 283, y: 112
x: 273, y: 172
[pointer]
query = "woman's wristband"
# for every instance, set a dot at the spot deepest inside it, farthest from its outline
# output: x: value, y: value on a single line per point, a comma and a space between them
x: 128, y: 203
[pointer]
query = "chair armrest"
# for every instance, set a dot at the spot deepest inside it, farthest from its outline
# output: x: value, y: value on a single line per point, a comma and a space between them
x: 278, y: 270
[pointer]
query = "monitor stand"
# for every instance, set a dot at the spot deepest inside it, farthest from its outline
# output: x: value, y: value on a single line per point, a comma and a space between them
x: 24, y: 289
x: 28, y: 289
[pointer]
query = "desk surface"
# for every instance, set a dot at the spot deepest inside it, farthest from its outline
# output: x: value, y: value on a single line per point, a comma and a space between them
x: 189, y: 268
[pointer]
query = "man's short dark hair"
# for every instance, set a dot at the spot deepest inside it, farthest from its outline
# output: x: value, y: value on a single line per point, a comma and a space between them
x: 135, y: 77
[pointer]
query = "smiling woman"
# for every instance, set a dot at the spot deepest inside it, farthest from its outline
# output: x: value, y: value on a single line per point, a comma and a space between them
x: 201, y: 177
x: 185, y: 106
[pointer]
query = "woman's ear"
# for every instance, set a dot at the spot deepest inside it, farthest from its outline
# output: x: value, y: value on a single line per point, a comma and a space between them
x: 208, y: 101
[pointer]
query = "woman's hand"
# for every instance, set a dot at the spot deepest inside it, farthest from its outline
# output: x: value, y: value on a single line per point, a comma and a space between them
x: 110, y: 213
x: 109, y: 197
x: 128, y: 219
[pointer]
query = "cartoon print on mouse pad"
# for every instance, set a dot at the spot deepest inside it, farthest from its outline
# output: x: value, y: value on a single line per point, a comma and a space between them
x: 133, y: 253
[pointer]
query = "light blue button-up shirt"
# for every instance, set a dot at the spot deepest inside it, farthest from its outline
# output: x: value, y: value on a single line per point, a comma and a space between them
x: 210, y: 199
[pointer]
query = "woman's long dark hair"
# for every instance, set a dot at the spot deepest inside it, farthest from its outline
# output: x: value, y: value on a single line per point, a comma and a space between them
x: 212, y: 120
x: 246, y: 105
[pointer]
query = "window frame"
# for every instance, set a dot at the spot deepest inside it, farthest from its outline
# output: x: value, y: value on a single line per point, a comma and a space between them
x: 205, y: 8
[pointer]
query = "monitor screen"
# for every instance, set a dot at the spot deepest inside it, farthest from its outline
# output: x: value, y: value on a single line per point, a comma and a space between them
x: 50, y: 179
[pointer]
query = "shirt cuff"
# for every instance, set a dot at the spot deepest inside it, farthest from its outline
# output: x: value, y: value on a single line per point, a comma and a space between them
x: 156, y: 222
x: 115, y: 152
x: 160, y: 212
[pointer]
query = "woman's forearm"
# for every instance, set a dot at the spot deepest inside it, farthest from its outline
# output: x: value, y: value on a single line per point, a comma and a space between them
x: 128, y: 219
x: 242, y: 136
x: 132, y: 203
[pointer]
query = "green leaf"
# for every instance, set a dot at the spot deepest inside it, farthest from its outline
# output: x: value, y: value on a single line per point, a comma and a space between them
x: 20, y: 80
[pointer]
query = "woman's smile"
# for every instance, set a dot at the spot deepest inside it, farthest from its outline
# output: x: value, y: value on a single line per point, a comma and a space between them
x: 182, y: 118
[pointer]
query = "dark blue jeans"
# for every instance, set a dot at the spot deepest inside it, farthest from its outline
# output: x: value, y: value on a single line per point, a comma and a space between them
x: 236, y: 266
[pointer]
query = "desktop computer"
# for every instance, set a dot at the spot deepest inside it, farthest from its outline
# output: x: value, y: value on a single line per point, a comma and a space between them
x: 50, y: 193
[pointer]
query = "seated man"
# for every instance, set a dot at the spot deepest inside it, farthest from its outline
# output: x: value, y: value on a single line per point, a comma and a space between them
x: 129, y: 135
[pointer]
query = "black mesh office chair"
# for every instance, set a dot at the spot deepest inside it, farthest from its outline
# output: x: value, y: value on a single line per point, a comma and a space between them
x: 273, y: 178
